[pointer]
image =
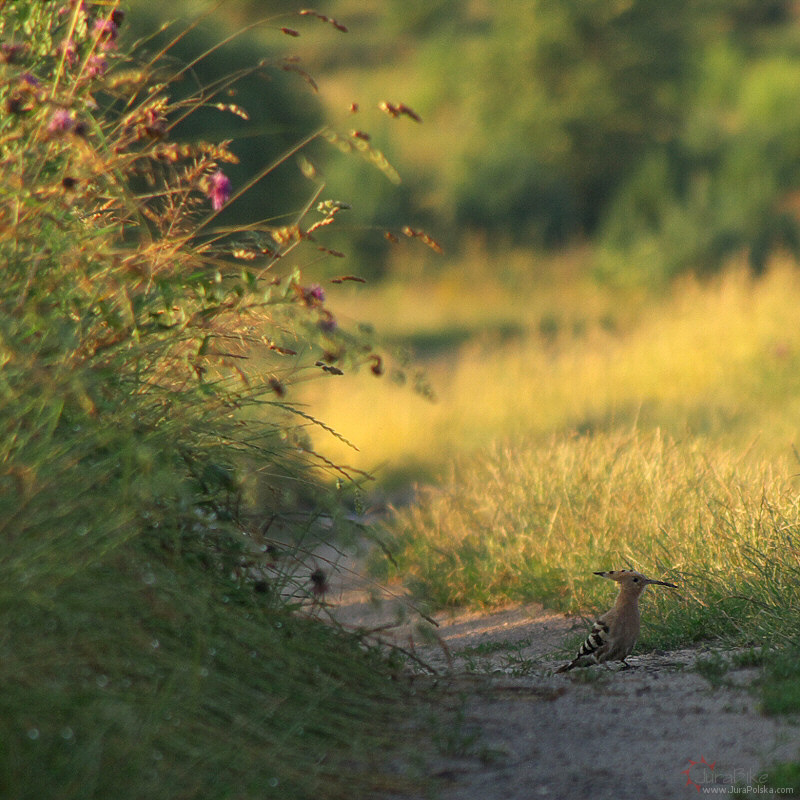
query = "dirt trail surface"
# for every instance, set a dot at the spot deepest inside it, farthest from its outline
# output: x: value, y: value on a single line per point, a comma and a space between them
x: 597, y: 733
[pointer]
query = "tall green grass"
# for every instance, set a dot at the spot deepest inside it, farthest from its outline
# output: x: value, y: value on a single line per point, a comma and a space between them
x: 148, y: 674
x: 152, y: 454
x: 532, y: 520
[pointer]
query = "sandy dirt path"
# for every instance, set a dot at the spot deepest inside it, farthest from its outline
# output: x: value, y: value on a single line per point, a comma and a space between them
x: 649, y: 733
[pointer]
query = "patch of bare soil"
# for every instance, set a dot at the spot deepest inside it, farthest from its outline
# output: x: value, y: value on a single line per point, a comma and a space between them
x: 653, y: 732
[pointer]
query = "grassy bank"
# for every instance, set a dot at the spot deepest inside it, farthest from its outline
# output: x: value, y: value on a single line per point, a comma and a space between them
x: 153, y: 642
x: 146, y: 673
x: 528, y: 521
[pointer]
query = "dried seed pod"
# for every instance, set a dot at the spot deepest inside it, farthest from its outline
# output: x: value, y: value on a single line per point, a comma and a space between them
x: 343, y: 278
x: 307, y: 12
x: 330, y: 252
x: 399, y: 109
x: 284, y: 351
x: 389, y: 108
x: 413, y: 233
x: 409, y: 112
x: 233, y: 109
x: 376, y: 366
x: 277, y: 387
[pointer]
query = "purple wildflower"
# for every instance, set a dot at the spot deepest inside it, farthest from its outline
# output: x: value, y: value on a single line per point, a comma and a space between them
x: 29, y: 81
x: 61, y: 122
x: 70, y: 51
x: 96, y: 66
x: 219, y: 189
x: 314, y: 294
x: 105, y: 32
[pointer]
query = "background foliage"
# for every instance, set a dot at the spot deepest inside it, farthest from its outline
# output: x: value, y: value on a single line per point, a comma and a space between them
x: 666, y: 135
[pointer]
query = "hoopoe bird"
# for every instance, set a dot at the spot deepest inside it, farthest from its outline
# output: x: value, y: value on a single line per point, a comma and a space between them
x: 614, y: 634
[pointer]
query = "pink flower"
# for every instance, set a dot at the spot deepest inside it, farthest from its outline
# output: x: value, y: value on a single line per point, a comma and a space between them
x: 70, y: 51
x: 61, y: 122
x: 314, y: 294
x: 96, y: 66
x: 105, y: 32
x: 219, y: 189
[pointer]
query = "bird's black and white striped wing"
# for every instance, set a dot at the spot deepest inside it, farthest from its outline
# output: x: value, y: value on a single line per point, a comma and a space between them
x: 596, y: 642
x: 598, y: 638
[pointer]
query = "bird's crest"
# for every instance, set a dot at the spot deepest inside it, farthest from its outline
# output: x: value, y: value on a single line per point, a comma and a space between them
x: 630, y: 577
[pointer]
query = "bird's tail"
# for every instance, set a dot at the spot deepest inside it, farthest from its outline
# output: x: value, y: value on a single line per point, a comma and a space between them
x: 567, y: 667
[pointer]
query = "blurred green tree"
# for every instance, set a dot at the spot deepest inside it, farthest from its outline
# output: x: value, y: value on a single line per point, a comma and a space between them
x: 666, y: 132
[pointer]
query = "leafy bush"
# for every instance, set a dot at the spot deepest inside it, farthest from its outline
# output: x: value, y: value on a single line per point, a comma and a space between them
x: 724, y: 186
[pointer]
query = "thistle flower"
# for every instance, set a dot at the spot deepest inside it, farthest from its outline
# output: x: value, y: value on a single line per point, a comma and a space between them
x: 105, y: 31
x: 219, y: 189
x: 96, y: 66
x: 314, y: 295
x: 61, y: 122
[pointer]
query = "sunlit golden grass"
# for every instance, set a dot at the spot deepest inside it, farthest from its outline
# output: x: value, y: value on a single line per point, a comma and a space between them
x: 718, y: 360
x: 532, y: 521
x: 598, y: 432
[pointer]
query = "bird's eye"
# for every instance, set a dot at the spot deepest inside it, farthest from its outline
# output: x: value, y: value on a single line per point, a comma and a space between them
x: 636, y: 580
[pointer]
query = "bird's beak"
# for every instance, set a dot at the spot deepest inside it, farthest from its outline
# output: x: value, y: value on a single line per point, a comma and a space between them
x: 661, y: 583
